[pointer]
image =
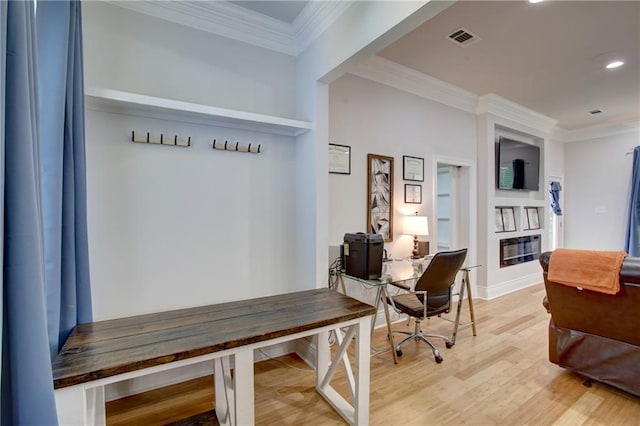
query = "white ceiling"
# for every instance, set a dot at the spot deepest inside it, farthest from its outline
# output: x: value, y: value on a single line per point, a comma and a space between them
x: 548, y: 57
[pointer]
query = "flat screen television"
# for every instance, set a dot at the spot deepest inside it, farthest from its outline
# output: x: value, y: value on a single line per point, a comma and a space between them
x: 517, y: 165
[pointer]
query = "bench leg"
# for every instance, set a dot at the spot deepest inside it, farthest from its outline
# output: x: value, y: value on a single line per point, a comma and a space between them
x: 224, y: 392
x: 358, y: 413
x: 243, y: 384
x: 78, y: 405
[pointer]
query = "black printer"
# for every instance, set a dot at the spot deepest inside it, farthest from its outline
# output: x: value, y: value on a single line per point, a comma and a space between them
x: 362, y: 255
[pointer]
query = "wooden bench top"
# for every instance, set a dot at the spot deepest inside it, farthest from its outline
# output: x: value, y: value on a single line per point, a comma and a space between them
x: 107, y: 348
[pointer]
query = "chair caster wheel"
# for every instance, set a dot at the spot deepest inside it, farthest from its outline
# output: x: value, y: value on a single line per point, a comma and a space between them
x: 438, y: 359
x: 449, y: 345
x: 398, y: 352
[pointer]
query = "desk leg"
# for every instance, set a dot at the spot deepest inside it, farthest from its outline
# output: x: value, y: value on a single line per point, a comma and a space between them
x: 78, y: 405
x: 224, y: 391
x: 363, y: 362
x: 472, y: 314
x: 383, y: 298
x: 243, y: 384
x: 464, y: 285
x: 358, y: 413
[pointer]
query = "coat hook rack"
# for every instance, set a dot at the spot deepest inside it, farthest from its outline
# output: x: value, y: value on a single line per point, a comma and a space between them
x: 236, y: 148
x: 162, y: 140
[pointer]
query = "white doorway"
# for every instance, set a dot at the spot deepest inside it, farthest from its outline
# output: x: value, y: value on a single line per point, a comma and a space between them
x: 446, y: 192
x: 454, y: 208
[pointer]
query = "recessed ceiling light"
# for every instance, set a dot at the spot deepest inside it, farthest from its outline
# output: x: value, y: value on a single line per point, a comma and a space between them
x: 535, y: 1
x: 614, y: 64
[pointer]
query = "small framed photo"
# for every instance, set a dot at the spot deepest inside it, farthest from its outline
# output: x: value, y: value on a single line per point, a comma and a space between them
x: 508, y: 219
x: 499, y: 222
x: 412, y: 194
x: 413, y: 168
x: 532, y: 217
x: 339, y: 159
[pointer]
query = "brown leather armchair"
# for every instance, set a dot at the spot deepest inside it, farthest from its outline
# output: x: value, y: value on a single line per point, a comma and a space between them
x: 595, y: 334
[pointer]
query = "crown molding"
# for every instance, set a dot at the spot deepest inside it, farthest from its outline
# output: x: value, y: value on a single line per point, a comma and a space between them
x: 384, y: 71
x: 314, y: 19
x: 232, y: 21
x: 504, y: 108
x: 220, y: 18
x: 595, y: 132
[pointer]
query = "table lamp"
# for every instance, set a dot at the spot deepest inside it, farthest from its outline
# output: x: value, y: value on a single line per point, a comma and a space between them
x: 416, y: 226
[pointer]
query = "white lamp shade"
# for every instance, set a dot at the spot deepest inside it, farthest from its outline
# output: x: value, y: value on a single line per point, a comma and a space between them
x: 416, y: 225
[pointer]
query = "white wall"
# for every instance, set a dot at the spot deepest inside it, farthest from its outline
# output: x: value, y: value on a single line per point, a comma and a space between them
x: 133, y: 52
x: 596, y: 191
x: 175, y: 227
x: 364, y: 29
x: 374, y: 118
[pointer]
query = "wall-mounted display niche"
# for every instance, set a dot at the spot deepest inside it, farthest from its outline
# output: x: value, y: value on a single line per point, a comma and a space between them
x: 514, y: 251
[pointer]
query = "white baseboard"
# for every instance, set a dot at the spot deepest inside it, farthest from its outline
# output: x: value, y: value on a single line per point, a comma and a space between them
x: 501, y: 289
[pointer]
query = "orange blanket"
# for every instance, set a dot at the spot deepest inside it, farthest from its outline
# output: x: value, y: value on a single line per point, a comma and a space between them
x: 587, y: 269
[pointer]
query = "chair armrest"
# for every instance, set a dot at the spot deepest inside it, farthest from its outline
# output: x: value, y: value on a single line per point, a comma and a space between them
x: 411, y: 291
x: 402, y: 284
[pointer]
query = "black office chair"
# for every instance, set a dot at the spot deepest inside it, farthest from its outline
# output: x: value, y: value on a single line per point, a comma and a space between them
x: 436, y: 284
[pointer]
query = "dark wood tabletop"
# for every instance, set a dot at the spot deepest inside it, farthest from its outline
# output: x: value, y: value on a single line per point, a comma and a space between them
x: 107, y: 348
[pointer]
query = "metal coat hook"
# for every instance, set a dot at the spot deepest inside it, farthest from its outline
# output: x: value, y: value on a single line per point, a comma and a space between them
x: 236, y: 148
x: 160, y: 141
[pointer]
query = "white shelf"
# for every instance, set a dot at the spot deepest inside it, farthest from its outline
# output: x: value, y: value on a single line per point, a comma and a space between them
x: 150, y: 106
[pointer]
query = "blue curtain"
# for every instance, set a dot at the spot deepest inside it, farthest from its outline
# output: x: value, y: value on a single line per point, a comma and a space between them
x: 46, y: 289
x: 62, y: 156
x: 554, y: 193
x: 632, y: 240
x: 26, y: 381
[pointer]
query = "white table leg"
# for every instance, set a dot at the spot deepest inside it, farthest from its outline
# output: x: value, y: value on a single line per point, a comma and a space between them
x: 224, y: 391
x: 323, y: 356
x: 243, y: 384
x: 358, y: 413
x: 78, y: 405
x: 363, y: 359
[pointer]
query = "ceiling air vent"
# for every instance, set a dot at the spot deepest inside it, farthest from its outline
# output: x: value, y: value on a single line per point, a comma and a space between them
x: 463, y: 37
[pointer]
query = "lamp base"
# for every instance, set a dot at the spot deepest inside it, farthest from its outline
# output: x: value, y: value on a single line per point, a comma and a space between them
x: 415, y: 254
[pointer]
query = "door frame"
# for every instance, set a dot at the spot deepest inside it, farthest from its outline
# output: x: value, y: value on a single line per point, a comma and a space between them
x: 466, y: 177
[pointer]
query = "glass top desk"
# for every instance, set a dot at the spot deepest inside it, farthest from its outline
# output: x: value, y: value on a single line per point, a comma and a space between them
x: 405, y: 272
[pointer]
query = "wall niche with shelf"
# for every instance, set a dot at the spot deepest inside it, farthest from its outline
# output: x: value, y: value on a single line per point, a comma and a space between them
x: 514, y: 251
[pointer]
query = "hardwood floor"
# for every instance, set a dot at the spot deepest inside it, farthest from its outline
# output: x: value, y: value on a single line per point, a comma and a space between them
x: 500, y: 377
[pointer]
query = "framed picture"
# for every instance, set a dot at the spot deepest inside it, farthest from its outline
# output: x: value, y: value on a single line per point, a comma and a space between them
x: 499, y: 222
x: 532, y: 217
x: 508, y: 219
x: 339, y: 159
x: 412, y: 193
x: 413, y: 168
x: 380, y: 196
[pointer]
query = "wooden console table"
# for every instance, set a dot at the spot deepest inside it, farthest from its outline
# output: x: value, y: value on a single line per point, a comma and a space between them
x: 106, y: 352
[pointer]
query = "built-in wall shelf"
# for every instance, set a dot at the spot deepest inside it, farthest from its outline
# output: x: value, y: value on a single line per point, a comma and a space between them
x: 154, y: 107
